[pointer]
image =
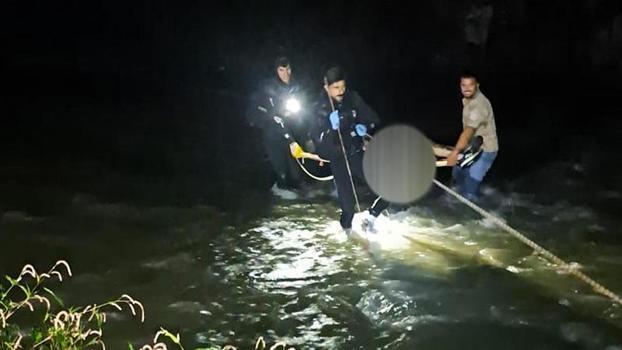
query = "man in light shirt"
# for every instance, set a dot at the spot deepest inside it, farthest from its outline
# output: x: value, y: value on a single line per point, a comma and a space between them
x: 478, y: 119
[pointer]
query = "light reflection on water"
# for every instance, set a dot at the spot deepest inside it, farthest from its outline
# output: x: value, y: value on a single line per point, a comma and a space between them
x: 437, y: 277
x: 419, y: 274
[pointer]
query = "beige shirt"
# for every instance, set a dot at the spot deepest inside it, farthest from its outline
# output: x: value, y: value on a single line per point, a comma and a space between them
x: 477, y: 114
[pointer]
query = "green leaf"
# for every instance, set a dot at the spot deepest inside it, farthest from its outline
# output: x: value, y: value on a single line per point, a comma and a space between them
x: 26, y: 290
x: 37, y: 336
x: 129, y: 346
x: 172, y: 337
x: 58, y: 300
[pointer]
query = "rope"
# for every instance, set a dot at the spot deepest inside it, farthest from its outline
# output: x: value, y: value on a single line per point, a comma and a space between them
x: 318, y: 178
x: 343, y: 150
x: 564, y: 266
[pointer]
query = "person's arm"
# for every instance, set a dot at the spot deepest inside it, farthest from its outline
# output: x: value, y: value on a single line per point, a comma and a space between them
x: 366, y: 115
x: 462, y: 143
x: 279, y: 126
x: 441, y: 150
x: 260, y: 109
x: 475, y: 118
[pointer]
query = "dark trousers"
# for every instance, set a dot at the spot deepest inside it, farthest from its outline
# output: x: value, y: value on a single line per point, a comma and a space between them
x: 283, y: 165
x: 344, y: 188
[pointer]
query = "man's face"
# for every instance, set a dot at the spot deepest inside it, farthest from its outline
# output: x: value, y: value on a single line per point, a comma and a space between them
x: 336, y: 90
x: 284, y: 73
x: 468, y: 87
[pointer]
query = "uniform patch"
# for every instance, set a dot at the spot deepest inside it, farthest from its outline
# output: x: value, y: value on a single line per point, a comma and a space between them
x: 279, y: 121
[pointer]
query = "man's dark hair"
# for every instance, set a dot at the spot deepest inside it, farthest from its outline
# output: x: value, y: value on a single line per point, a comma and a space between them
x: 334, y: 74
x: 281, y: 61
x: 467, y: 74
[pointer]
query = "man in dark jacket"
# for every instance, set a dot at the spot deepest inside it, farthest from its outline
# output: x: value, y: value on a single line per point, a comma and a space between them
x: 275, y: 109
x: 339, y: 110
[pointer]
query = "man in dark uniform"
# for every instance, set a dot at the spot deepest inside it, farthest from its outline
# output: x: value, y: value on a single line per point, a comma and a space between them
x: 275, y: 109
x: 341, y: 110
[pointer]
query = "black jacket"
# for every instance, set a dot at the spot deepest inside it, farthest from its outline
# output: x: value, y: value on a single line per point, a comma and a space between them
x: 267, y: 110
x: 352, y: 110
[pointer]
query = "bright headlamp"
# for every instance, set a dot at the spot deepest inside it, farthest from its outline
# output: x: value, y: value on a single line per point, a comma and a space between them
x: 292, y: 105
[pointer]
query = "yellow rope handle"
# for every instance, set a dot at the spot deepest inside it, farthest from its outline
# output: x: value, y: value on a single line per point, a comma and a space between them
x: 297, y: 151
x: 599, y: 288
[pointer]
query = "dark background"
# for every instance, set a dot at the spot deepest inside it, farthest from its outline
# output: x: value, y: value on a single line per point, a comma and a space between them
x: 154, y: 92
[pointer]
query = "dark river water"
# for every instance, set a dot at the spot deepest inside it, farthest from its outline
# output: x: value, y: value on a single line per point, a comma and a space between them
x: 439, y: 277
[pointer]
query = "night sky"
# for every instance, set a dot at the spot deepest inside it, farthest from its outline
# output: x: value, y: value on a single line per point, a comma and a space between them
x: 157, y: 89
